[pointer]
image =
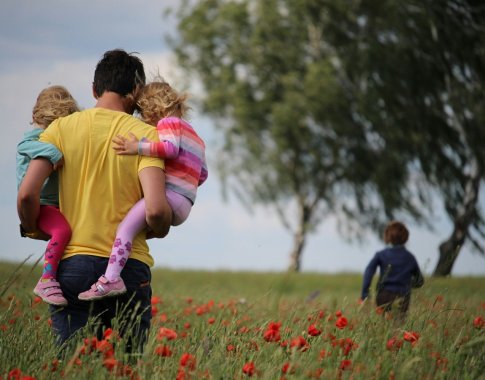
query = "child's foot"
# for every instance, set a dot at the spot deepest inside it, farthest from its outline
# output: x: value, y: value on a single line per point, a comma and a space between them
x: 103, y: 288
x: 50, y: 292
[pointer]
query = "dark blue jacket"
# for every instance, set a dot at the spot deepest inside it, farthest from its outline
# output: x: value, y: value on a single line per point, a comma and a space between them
x: 398, y: 271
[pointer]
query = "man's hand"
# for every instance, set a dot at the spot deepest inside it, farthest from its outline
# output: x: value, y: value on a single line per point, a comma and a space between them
x: 125, y: 145
x: 59, y: 164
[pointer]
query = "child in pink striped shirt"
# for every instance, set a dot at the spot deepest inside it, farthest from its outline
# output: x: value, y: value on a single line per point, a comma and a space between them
x: 185, y: 170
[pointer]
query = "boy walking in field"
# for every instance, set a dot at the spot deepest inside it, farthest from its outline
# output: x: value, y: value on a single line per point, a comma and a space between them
x: 398, y: 271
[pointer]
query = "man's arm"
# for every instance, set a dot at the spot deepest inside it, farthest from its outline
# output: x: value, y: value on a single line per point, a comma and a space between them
x: 158, y: 211
x: 28, y: 198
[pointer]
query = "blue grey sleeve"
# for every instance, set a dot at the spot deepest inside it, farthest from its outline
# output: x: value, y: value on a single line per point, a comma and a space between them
x: 36, y: 149
x: 368, y: 274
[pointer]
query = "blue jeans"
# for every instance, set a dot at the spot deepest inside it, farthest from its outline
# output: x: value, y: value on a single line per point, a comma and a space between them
x: 132, y: 309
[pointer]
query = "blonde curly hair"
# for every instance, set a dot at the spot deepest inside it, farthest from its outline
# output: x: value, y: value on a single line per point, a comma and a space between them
x: 53, y: 102
x: 158, y: 99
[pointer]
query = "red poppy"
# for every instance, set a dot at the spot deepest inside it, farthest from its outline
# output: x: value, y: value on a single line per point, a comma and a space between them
x: 188, y: 361
x: 272, y: 333
x: 163, y: 350
x: 211, y: 320
x: 249, y: 369
x: 230, y: 347
x: 14, y: 374
x: 323, y: 354
x: 110, y: 363
x: 411, y: 337
x: 105, y: 347
x: 313, y: 331
x: 479, y: 322
x: 345, y: 364
x: 300, y: 343
x: 338, y: 313
x: 287, y: 368
x: 154, y: 311
x: 394, y: 344
x: 348, y: 345
x: 165, y: 332
x: 341, y: 322
x: 181, y: 374
x: 243, y: 330
x: 52, y: 366
x: 107, y: 333
x: 155, y: 300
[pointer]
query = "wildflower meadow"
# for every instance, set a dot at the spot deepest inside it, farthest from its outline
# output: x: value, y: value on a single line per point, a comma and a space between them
x: 237, y: 325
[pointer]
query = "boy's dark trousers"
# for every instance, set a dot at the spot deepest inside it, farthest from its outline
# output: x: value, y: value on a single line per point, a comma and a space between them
x: 387, y: 300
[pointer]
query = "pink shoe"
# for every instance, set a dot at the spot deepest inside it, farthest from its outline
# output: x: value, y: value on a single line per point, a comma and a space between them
x: 50, y: 292
x: 103, y: 288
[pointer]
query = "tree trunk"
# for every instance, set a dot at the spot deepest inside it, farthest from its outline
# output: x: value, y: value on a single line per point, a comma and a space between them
x: 299, y: 238
x: 450, y: 248
x: 299, y: 241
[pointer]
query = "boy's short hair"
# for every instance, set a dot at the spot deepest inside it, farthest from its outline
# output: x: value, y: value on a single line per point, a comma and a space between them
x: 396, y: 233
x: 52, y: 103
x: 119, y: 72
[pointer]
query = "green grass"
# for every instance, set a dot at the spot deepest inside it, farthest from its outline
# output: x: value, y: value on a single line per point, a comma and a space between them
x: 211, y: 311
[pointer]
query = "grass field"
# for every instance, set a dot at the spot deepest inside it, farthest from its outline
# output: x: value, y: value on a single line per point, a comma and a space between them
x: 233, y: 325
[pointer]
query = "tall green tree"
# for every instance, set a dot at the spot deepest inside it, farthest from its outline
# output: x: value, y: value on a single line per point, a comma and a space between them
x: 331, y: 107
x: 425, y: 64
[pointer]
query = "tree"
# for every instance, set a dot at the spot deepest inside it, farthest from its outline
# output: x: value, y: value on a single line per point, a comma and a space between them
x: 290, y: 140
x: 425, y: 61
x: 335, y: 107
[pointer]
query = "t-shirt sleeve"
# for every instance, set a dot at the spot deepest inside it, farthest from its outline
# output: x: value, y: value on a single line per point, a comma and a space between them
x: 51, y: 135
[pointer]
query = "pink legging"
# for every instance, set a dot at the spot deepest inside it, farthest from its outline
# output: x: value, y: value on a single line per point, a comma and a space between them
x: 133, y: 223
x: 54, y: 224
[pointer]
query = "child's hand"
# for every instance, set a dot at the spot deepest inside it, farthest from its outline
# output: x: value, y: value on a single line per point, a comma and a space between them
x: 125, y: 145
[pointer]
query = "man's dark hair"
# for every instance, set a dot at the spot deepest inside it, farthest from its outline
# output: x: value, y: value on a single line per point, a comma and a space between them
x: 119, y: 72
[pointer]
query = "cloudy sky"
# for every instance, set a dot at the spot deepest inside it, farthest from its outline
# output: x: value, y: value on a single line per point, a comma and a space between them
x: 59, y: 42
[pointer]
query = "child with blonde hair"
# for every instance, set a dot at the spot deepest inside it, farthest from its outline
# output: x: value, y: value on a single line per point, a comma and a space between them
x: 399, y: 271
x: 185, y: 169
x: 52, y: 103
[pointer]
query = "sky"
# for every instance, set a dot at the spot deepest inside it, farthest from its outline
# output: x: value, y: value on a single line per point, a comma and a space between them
x: 59, y: 42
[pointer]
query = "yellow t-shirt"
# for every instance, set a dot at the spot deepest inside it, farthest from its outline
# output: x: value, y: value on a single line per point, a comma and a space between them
x: 97, y: 187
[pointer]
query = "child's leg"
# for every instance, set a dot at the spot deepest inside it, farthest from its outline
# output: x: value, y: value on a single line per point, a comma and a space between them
x: 131, y: 225
x: 53, y: 223
x: 180, y: 206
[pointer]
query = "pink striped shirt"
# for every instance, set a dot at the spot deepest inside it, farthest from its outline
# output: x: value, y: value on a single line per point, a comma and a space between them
x: 184, y: 154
